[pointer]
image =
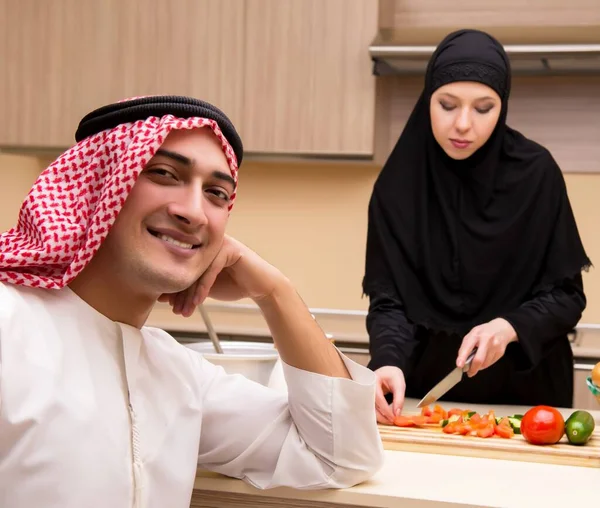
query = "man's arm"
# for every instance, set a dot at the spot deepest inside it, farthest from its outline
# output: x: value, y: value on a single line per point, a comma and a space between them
x: 322, y: 435
x: 299, y: 339
x: 238, y: 272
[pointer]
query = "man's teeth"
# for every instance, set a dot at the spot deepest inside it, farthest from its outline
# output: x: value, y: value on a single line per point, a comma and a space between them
x: 175, y: 242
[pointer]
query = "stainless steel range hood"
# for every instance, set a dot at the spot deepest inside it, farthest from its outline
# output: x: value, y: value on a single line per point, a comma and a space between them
x: 532, y: 50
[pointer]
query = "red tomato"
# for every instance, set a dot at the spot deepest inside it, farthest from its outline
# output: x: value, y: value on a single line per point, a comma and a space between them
x: 475, y: 419
x: 426, y: 411
x: 504, y: 429
x: 403, y: 421
x: 419, y: 420
x: 487, y: 431
x: 450, y: 428
x: 455, y: 411
x: 437, y: 409
x: 542, y: 425
x: 435, y: 418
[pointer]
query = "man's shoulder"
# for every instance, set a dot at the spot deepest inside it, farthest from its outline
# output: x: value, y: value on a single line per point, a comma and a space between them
x: 21, y: 303
x: 166, y: 342
x: 12, y: 299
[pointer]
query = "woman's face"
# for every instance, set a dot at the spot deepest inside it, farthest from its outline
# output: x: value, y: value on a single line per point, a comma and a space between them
x: 463, y: 117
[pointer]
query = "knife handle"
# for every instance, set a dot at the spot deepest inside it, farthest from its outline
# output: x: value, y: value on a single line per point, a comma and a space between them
x: 469, y: 360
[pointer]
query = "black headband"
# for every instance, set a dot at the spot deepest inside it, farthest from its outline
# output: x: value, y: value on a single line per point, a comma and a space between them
x: 471, y: 71
x: 108, y: 117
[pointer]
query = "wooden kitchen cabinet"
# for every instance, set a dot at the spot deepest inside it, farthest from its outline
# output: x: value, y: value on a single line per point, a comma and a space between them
x: 294, y: 75
x: 491, y: 13
x: 308, y: 86
x: 63, y: 58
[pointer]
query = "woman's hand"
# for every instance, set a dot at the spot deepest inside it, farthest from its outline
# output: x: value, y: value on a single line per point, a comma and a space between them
x: 491, y: 340
x: 389, y: 380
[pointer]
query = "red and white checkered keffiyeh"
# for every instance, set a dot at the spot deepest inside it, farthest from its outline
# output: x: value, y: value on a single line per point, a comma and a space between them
x: 75, y: 201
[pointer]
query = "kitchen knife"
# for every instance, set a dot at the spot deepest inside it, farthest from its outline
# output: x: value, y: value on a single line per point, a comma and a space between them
x: 448, y: 382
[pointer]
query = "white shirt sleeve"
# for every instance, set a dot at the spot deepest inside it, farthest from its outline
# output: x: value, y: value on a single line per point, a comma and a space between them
x: 322, y: 435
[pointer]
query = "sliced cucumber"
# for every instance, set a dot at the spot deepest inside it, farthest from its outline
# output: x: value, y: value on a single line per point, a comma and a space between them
x: 514, y: 420
x: 515, y: 423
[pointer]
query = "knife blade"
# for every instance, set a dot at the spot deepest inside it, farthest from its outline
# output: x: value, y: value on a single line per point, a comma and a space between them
x: 448, y: 382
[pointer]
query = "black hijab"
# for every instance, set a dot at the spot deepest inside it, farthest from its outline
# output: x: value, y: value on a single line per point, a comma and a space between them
x: 461, y: 242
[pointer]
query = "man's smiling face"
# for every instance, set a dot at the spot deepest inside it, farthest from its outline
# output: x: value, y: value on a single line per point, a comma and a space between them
x: 173, y: 223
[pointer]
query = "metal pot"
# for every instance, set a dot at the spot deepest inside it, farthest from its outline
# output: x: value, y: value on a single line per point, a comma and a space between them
x: 254, y: 360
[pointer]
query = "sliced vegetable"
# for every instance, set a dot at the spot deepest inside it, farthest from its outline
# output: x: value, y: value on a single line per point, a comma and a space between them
x: 463, y: 422
x: 453, y: 418
x: 404, y: 421
x: 504, y: 428
x: 425, y: 411
x: 439, y: 410
x: 451, y: 428
x: 543, y: 425
x: 486, y: 431
x: 435, y: 418
x: 515, y: 422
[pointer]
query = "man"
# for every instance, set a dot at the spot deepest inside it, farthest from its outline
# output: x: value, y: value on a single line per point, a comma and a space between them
x: 98, y: 410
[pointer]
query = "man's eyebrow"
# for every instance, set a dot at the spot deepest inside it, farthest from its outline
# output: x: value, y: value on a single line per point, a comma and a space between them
x: 224, y: 176
x: 175, y: 156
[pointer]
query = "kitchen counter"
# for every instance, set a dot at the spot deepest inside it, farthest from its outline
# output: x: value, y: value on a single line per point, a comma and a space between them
x: 425, y: 480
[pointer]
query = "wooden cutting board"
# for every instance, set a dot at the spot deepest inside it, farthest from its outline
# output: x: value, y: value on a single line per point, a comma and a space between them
x: 431, y: 439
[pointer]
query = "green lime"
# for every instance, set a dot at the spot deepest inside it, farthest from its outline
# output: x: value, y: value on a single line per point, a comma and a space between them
x: 579, y: 427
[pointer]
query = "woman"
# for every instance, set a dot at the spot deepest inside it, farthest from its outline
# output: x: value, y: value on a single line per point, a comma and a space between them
x: 471, y: 243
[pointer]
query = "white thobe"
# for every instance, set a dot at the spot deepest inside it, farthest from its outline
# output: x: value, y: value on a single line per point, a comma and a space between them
x: 95, y: 413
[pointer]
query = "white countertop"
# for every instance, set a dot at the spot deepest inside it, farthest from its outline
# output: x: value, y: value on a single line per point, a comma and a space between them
x: 424, y: 480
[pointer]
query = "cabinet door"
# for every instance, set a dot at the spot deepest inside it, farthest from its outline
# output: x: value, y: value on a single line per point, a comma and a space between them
x: 309, y: 87
x: 65, y: 57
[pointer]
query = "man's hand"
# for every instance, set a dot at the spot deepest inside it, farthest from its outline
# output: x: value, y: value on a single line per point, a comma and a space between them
x: 236, y: 272
x: 491, y: 340
x: 389, y: 380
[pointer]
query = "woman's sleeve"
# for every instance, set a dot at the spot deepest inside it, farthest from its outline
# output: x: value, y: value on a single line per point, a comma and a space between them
x: 392, y: 337
x: 548, y: 317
